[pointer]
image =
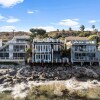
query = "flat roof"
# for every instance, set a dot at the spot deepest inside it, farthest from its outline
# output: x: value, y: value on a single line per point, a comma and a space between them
x: 71, y: 38
x: 83, y: 42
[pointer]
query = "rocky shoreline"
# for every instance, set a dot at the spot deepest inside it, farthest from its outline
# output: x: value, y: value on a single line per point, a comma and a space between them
x: 18, y: 74
x: 24, y: 77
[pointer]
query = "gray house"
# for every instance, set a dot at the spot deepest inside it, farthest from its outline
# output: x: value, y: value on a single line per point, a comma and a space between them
x: 84, y: 51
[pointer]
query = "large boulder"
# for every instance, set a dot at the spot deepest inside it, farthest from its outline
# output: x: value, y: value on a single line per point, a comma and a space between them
x: 42, y: 76
x: 12, y: 72
x: 60, y: 69
x: 62, y: 75
x: 91, y: 73
x: 8, y: 80
x: 2, y: 79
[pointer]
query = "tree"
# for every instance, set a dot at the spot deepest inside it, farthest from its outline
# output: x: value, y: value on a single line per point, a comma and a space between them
x: 38, y: 31
x: 63, y: 30
x: 29, y: 50
x: 57, y: 30
x: 70, y: 29
x: 93, y: 27
x: 82, y: 27
x: 94, y: 37
x: 96, y: 31
x: 84, y: 34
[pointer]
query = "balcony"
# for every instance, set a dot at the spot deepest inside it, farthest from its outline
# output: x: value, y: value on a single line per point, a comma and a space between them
x: 86, y: 59
x: 16, y: 50
x: 18, y: 57
x: 36, y: 51
x: 83, y: 50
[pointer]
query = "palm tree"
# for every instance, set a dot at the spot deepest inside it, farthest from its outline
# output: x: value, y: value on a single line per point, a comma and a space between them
x: 70, y: 29
x: 29, y: 51
x: 82, y: 27
x: 93, y: 27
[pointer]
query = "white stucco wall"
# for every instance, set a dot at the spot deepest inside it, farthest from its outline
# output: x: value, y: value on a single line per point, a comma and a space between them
x: 0, y: 42
x: 10, y: 51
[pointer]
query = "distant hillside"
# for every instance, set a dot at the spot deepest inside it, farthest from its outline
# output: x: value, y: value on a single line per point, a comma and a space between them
x: 9, y: 35
x: 64, y: 33
x: 54, y: 34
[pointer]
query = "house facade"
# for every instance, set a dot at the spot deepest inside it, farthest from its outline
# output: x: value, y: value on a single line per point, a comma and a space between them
x: 14, y: 50
x: 46, y: 50
x: 84, y: 52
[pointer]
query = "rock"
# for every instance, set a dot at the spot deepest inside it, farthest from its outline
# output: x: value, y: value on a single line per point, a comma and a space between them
x: 62, y: 76
x: 91, y: 73
x: 94, y: 82
x: 77, y: 75
x: 56, y: 78
x: 2, y: 79
x: 95, y: 76
x: 30, y: 79
x: 58, y: 92
x: 60, y: 69
x: 12, y: 72
x: 8, y: 80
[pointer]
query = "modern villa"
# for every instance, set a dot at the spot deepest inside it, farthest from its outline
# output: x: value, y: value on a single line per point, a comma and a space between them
x: 14, y: 50
x: 47, y: 50
x: 84, y: 51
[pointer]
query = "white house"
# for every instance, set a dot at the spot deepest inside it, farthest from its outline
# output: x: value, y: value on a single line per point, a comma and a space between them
x: 46, y: 50
x: 13, y: 50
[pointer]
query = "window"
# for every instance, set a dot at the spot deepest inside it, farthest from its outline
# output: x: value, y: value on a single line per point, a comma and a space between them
x: 5, y: 49
x: 19, y: 47
x: 4, y: 55
x: 19, y: 55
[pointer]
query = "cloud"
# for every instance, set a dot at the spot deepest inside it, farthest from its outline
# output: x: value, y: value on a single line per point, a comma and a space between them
x: 69, y: 22
x: 47, y: 28
x: 88, y: 29
x: 7, y: 28
x: 10, y: 3
x: 92, y: 21
x: 32, y: 11
x: 2, y: 17
x: 12, y: 20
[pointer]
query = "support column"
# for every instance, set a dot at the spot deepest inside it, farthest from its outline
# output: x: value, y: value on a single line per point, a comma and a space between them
x: 99, y: 63
x: 11, y: 51
x: 90, y: 63
x: 81, y: 63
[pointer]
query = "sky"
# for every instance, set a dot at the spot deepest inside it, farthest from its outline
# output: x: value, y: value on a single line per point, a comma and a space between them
x: 22, y: 15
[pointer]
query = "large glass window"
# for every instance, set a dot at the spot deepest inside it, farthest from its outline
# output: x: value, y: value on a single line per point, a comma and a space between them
x: 19, y: 47
x: 5, y: 49
x: 4, y: 55
x: 19, y: 55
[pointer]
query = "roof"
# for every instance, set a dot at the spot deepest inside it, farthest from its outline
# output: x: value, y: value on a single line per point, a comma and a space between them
x: 22, y: 37
x: 71, y: 38
x: 46, y: 40
x: 76, y: 42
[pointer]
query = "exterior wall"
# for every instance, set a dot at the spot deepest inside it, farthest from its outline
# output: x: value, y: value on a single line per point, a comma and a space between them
x: 46, y: 51
x: 0, y: 42
x: 83, y: 51
x: 42, y: 53
x: 11, y: 51
x: 14, y: 50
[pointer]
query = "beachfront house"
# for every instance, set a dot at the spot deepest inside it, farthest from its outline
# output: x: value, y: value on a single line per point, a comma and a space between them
x: 84, y: 52
x: 14, y: 50
x: 46, y: 50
